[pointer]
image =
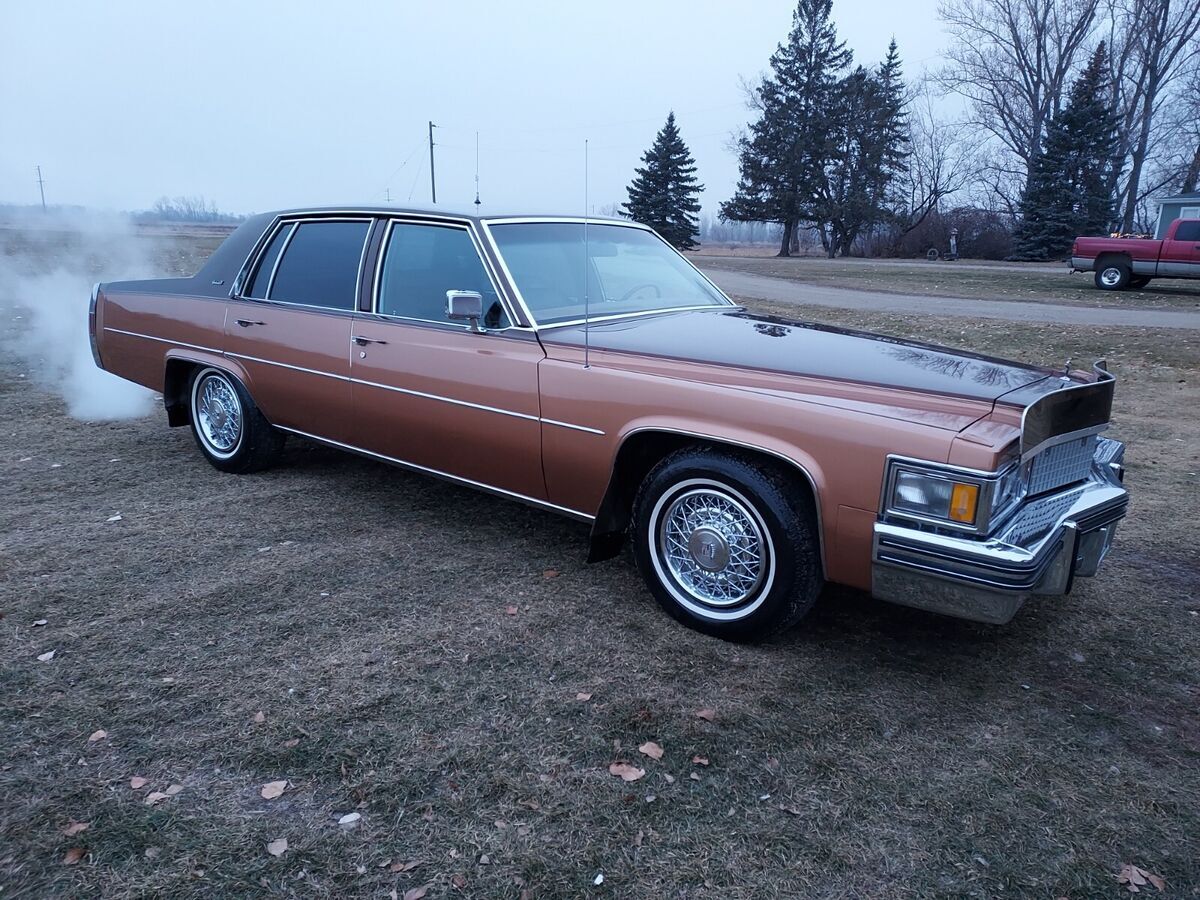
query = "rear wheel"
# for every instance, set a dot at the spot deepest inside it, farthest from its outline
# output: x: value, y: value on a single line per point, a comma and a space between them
x: 229, y: 429
x: 727, y: 544
x: 1113, y: 276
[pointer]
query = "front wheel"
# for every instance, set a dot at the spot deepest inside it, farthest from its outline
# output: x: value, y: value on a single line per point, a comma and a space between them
x: 728, y: 544
x: 229, y: 429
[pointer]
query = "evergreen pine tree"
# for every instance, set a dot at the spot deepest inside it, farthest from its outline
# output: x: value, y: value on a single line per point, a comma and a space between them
x: 663, y: 194
x: 1068, y: 190
x: 784, y: 155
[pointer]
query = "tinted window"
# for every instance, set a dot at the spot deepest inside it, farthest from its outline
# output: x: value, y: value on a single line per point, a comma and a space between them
x: 422, y: 262
x: 1188, y: 231
x: 320, y: 266
x: 262, y: 276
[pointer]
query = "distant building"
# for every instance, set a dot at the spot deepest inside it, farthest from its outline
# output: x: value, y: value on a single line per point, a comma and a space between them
x: 1181, y: 206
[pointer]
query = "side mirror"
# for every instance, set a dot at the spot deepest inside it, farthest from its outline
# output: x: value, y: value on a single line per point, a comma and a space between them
x: 465, y: 305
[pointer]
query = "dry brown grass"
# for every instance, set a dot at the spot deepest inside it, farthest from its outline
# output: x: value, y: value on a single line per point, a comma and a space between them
x: 1034, y: 282
x: 875, y: 751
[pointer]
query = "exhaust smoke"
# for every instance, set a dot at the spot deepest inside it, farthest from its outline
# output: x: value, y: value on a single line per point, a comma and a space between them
x: 48, y: 267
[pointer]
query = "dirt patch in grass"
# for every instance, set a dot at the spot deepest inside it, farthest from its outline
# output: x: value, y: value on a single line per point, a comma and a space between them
x: 1036, y: 283
x: 874, y: 751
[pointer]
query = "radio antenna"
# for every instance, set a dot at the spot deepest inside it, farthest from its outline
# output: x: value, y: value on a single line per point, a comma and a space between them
x: 477, y: 173
x: 586, y: 261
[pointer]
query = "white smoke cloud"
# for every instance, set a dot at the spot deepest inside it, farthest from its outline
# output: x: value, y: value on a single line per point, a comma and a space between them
x: 47, y: 270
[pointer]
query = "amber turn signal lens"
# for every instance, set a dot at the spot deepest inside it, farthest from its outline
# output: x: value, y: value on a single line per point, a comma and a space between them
x: 963, y: 501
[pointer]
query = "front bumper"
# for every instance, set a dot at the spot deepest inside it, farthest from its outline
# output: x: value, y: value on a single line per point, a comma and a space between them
x: 1047, y: 543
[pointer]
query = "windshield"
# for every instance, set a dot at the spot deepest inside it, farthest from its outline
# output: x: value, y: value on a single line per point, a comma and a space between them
x: 628, y: 270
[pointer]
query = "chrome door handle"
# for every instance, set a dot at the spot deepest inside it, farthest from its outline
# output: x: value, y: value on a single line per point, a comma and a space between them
x: 363, y: 341
x: 246, y: 323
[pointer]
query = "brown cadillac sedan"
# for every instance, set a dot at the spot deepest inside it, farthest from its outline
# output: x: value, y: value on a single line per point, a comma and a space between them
x: 587, y: 368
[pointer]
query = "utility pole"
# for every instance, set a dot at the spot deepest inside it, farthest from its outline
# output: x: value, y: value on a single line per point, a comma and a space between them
x: 42, y: 187
x: 387, y: 195
x: 432, y: 179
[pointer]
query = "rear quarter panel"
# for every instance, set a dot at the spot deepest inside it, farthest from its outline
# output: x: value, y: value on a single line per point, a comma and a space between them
x: 137, y: 330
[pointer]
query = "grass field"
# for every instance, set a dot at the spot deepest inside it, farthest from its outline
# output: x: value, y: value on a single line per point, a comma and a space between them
x: 443, y: 664
x: 972, y: 279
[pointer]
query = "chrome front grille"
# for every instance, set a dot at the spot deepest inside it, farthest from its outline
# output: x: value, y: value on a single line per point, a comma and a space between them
x: 1062, y: 464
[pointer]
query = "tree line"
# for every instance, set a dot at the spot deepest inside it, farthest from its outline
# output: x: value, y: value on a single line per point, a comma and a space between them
x: 1076, y: 113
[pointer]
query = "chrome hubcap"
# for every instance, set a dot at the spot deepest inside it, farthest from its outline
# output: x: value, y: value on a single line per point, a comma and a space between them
x: 1110, y: 276
x: 219, y: 414
x: 712, y: 545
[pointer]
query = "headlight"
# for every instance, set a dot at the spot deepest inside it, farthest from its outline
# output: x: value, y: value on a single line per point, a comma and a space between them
x: 935, y: 497
x: 962, y: 499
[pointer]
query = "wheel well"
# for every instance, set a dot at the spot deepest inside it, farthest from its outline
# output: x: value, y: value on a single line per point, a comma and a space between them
x: 175, y: 391
x: 1110, y: 257
x: 640, y: 453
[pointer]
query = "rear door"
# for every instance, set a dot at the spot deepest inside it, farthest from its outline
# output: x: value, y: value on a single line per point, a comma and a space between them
x: 290, y: 329
x: 433, y: 393
x: 1180, y: 255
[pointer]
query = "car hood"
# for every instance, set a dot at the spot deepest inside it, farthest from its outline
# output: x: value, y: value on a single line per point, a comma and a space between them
x: 741, y: 340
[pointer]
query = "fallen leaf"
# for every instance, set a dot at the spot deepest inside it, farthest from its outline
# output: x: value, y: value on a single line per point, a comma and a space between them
x: 651, y: 749
x: 46, y: 657
x: 39, y: 623
x: 459, y: 881
x: 550, y: 573
x: 626, y: 772
x: 349, y: 819
x: 599, y: 879
x: 74, y: 855
x: 700, y: 760
x: 273, y: 789
x: 583, y: 697
x: 116, y: 518
x: 707, y: 715
x: 791, y: 810
x: 510, y: 610
x: 152, y: 852
x: 405, y: 866
x: 137, y: 782
x: 97, y: 736
x: 695, y: 776
x: 277, y: 847
x: 1135, y: 878
x: 670, y: 778
x: 173, y: 790
x: 73, y: 828
x: 259, y: 717
x: 155, y: 797
x: 291, y: 742
x: 417, y: 893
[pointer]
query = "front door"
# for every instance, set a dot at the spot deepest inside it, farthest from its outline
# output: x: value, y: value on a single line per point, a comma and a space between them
x: 434, y: 393
x: 1181, y: 255
x: 290, y: 329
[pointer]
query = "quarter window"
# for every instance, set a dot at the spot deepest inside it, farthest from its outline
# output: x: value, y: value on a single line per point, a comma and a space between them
x: 266, y: 265
x: 320, y: 265
x: 423, y: 262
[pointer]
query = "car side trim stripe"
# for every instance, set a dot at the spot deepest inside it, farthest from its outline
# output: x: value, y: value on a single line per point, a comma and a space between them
x: 387, y: 387
x: 491, y: 489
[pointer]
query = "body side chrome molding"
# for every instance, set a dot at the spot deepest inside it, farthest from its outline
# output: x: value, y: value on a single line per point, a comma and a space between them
x: 399, y: 390
x: 437, y: 473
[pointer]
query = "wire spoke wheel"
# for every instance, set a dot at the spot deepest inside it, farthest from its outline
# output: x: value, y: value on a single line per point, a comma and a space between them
x: 711, y: 548
x: 218, y: 414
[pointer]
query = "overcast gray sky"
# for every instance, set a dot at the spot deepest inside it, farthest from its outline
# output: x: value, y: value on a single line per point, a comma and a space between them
x: 258, y: 105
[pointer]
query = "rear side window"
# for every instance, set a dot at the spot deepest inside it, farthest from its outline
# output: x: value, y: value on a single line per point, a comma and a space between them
x: 422, y: 262
x: 262, y: 276
x: 1188, y: 231
x: 320, y: 265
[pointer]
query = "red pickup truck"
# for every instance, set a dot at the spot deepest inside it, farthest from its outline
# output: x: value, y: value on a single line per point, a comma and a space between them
x: 1121, y: 263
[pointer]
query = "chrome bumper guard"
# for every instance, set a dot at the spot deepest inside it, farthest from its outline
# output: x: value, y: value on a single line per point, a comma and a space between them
x: 1041, y: 549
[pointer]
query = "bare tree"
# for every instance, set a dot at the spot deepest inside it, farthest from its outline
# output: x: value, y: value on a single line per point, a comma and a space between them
x: 1011, y: 60
x: 943, y: 160
x: 1154, y: 43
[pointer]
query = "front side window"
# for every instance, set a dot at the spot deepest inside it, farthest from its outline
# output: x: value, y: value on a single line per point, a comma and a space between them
x: 621, y: 269
x: 1188, y: 231
x: 422, y: 262
x: 320, y: 265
